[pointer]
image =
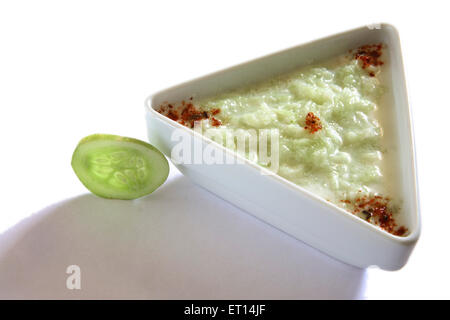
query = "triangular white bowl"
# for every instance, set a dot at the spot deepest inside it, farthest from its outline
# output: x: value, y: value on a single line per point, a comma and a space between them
x: 280, y: 202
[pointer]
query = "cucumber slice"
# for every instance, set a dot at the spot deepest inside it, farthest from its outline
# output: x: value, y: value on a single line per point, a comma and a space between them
x: 117, y: 167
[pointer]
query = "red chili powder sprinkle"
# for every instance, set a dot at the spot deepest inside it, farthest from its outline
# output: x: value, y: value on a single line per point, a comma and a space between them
x: 313, y: 123
x: 215, y: 122
x: 400, y: 231
x: 187, y: 114
x: 369, y: 55
x: 376, y: 209
x: 172, y: 115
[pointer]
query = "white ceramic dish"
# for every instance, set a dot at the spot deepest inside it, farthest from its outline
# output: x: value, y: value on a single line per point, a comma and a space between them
x: 281, y: 203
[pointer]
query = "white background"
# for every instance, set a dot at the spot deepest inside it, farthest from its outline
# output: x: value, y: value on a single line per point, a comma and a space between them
x: 72, y: 68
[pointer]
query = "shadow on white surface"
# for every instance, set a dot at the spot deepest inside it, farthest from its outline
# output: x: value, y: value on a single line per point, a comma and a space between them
x: 181, y: 242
